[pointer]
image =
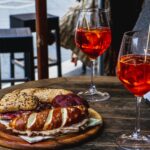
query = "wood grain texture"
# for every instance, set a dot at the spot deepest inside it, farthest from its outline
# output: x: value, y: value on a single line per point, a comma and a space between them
x: 118, y: 113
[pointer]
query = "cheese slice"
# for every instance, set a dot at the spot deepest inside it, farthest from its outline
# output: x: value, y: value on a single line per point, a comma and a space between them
x: 49, y: 119
x: 64, y: 116
x: 31, y: 120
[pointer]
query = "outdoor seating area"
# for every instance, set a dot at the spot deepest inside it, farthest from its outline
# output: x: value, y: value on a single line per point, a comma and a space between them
x: 18, y: 40
x: 75, y: 74
x: 28, y: 20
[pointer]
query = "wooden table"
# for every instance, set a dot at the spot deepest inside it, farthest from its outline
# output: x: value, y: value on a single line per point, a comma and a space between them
x: 118, y: 112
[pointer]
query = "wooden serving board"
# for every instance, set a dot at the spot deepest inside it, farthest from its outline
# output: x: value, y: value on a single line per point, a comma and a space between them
x: 13, y: 141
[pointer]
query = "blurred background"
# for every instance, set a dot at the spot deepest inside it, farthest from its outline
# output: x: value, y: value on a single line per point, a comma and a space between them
x: 123, y: 17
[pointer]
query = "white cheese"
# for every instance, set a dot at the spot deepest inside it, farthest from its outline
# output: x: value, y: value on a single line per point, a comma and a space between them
x: 64, y: 116
x: 49, y: 119
x: 31, y: 120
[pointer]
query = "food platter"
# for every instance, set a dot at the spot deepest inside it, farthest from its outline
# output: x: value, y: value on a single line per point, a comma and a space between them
x: 9, y: 140
x: 45, y: 118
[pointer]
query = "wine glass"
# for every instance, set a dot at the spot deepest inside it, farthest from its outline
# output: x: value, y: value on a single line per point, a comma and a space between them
x: 93, y: 37
x: 133, y: 70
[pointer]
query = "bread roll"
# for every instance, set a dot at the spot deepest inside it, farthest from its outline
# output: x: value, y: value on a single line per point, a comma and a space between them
x: 49, y: 119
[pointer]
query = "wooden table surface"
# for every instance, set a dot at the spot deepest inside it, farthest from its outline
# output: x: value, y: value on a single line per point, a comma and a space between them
x: 118, y: 113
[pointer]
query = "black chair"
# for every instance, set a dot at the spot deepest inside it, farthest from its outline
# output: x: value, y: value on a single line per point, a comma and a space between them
x: 18, y: 40
x: 28, y: 20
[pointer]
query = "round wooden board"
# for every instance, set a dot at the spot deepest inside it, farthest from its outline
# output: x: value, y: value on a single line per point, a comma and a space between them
x: 11, y: 141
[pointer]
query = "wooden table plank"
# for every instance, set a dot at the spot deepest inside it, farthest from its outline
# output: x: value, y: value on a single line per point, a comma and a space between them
x: 118, y: 113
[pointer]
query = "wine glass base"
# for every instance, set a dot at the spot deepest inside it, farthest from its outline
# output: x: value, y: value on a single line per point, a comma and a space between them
x: 130, y: 142
x: 94, y: 96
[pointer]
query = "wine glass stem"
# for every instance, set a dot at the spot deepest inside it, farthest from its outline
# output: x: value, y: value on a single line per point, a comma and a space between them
x: 137, y: 131
x: 92, y: 87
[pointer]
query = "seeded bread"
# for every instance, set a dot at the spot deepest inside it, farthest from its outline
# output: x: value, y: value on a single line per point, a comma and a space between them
x: 28, y: 99
x: 47, y: 95
x: 17, y: 101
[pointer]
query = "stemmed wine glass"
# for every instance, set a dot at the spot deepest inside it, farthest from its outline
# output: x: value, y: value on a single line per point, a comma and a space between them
x: 93, y: 37
x: 133, y: 70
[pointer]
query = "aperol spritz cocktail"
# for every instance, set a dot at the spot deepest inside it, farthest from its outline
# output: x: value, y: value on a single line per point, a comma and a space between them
x: 93, y: 38
x: 93, y: 42
x: 133, y: 70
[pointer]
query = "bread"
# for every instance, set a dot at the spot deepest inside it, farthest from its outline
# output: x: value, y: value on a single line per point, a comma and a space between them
x: 17, y: 101
x: 28, y: 99
x: 45, y: 94
x: 49, y: 119
x: 29, y: 91
x: 43, y: 111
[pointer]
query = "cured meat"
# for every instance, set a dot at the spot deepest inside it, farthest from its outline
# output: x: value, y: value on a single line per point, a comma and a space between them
x: 68, y: 100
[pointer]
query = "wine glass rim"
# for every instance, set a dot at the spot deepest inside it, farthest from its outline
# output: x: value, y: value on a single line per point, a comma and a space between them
x: 94, y: 9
